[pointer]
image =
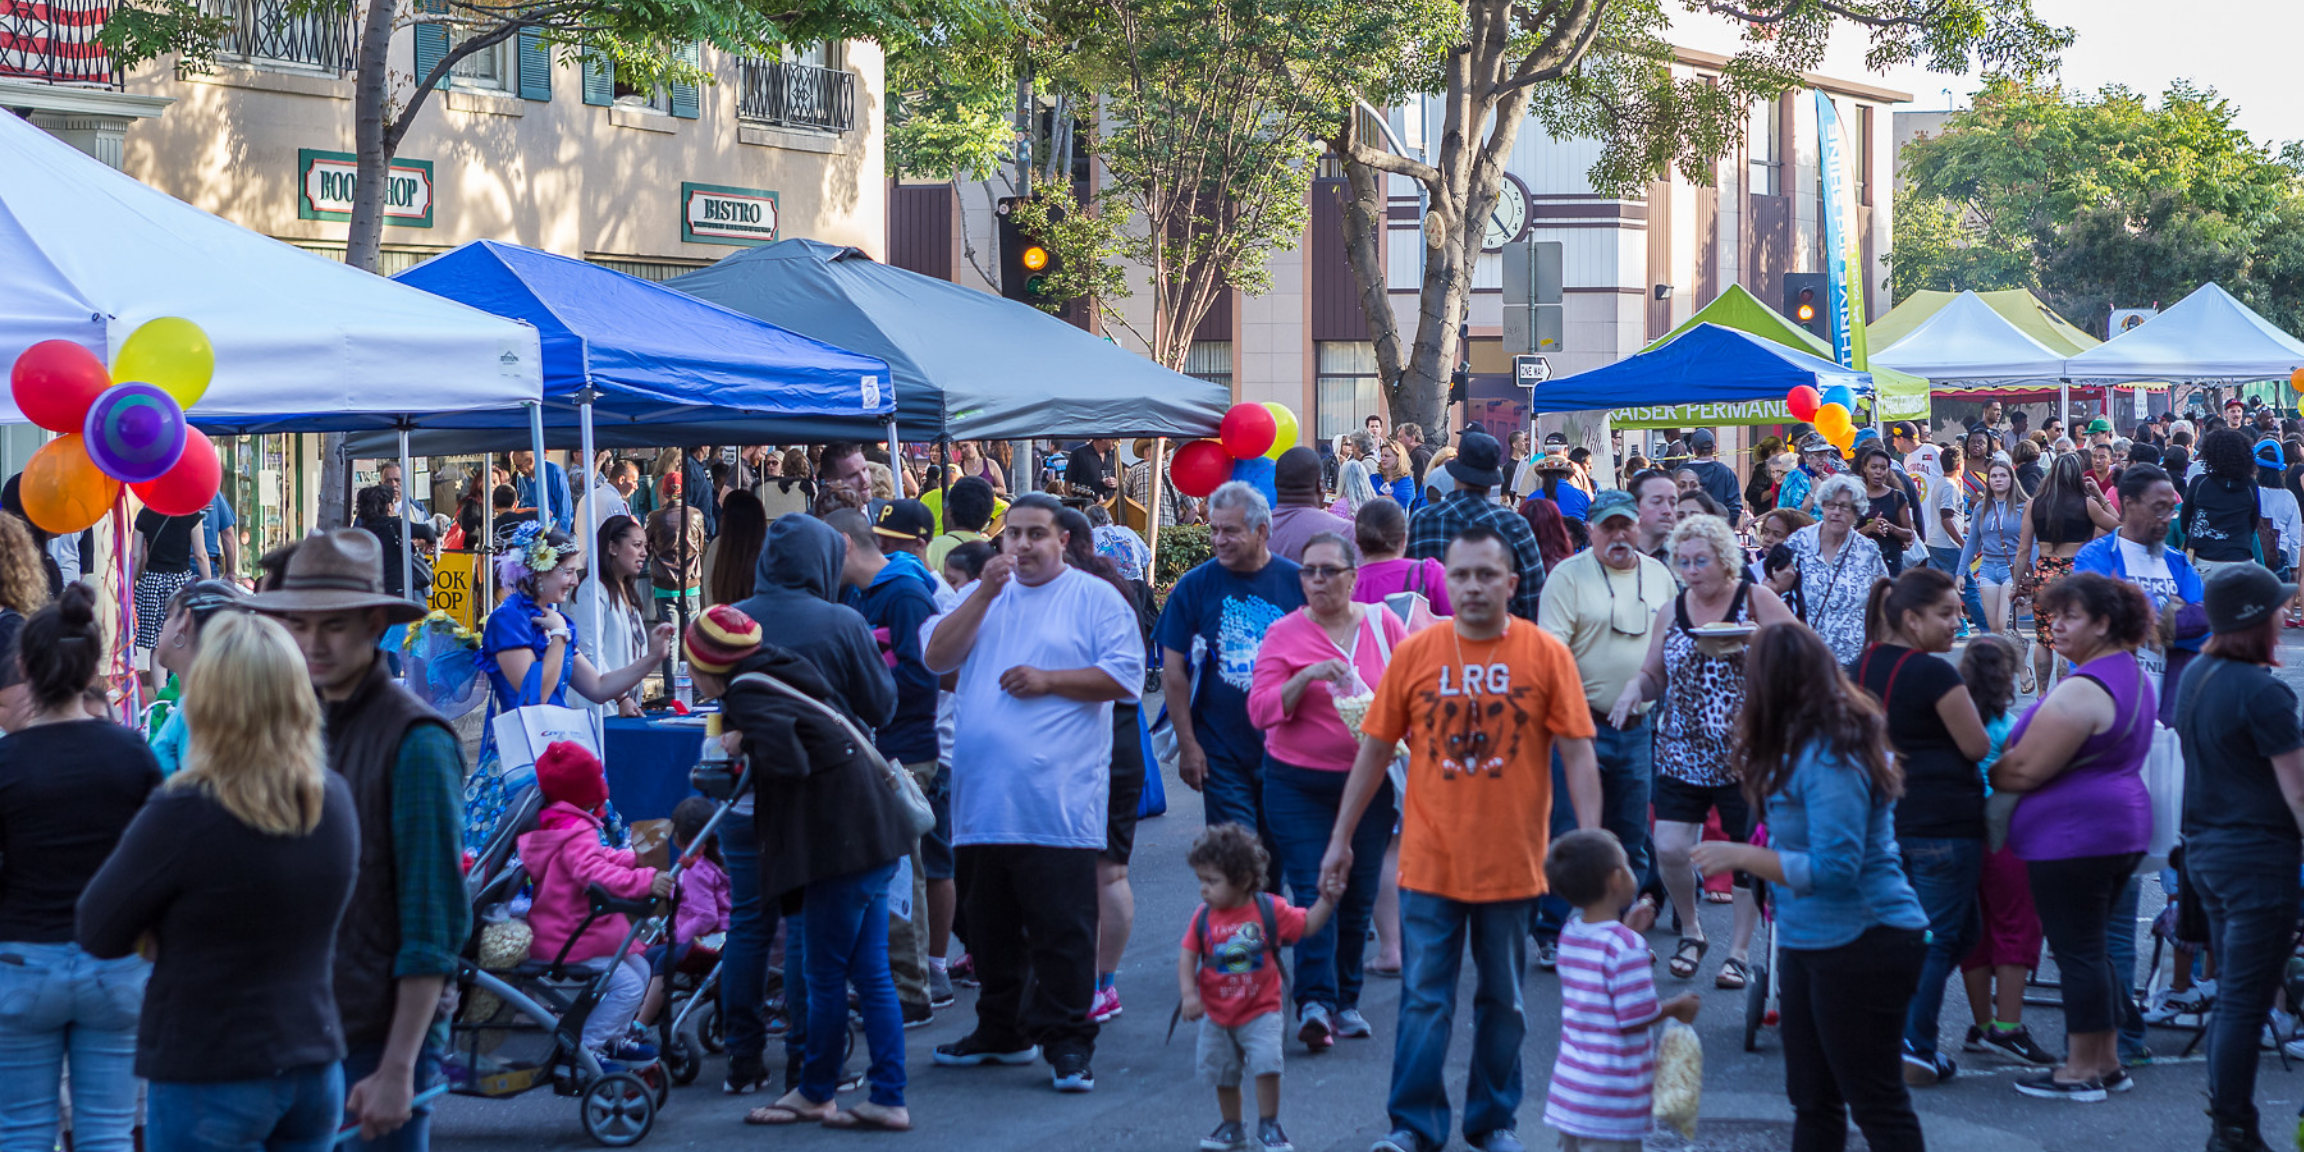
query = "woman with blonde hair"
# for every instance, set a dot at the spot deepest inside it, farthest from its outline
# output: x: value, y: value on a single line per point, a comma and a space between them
x: 23, y: 589
x: 273, y: 834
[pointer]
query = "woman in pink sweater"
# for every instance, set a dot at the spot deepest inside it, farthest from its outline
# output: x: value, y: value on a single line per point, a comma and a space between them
x: 1329, y: 649
x: 565, y: 856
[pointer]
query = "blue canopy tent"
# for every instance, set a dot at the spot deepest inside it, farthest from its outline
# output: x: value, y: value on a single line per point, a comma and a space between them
x: 1707, y: 365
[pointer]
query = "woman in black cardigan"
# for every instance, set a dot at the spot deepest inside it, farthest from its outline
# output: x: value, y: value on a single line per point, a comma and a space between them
x: 831, y: 833
x: 238, y: 870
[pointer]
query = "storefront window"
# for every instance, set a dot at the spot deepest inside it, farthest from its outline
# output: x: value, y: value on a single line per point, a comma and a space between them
x: 1348, y: 391
x: 1210, y: 360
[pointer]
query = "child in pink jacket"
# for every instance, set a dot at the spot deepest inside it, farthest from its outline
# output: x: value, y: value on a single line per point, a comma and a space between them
x: 564, y: 856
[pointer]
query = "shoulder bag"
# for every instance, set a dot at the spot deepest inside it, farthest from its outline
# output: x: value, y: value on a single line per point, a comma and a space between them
x: 917, y: 813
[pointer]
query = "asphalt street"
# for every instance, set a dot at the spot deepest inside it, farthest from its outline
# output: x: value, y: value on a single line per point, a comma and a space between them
x: 1147, y: 1098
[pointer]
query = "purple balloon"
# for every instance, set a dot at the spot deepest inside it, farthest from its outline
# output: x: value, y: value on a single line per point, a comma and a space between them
x: 134, y: 432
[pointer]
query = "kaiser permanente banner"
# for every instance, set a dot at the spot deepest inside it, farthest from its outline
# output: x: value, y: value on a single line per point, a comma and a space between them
x: 1843, y: 250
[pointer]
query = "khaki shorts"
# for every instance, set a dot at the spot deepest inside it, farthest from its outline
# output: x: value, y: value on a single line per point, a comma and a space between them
x: 1227, y: 1054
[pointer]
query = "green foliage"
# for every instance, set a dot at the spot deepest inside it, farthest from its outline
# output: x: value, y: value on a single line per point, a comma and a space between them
x: 1183, y: 547
x: 2101, y: 201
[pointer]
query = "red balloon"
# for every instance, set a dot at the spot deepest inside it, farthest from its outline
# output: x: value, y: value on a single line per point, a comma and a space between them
x: 189, y: 485
x: 1248, y: 431
x: 55, y: 381
x: 1803, y: 401
x: 1201, y: 467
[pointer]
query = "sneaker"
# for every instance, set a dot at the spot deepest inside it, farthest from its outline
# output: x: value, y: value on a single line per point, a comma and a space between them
x: 2118, y: 1080
x: 940, y: 993
x: 1399, y: 1140
x: 969, y: 1052
x: 1351, y: 1025
x: 1226, y: 1138
x: 2047, y: 1087
x: 746, y: 1075
x: 963, y: 972
x: 1933, y: 1068
x: 1072, y: 1073
x: 2294, y: 1049
x: 1269, y: 1137
x: 1499, y: 1140
x: 1974, y: 1041
x: 1317, y: 1033
x: 2017, y: 1044
x: 918, y: 1016
x: 626, y: 1050
x: 1106, y: 1005
x: 1547, y: 955
x: 2237, y: 1138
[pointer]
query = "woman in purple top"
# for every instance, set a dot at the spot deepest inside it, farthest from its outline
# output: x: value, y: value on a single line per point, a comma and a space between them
x: 2086, y: 817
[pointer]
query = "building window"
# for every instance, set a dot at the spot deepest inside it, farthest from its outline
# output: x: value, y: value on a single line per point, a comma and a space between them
x: 659, y: 100
x: 1764, y: 140
x: 490, y: 69
x: 282, y: 34
x: 806, y: 89
x: 1347, y: 391
x: 1210, y: 360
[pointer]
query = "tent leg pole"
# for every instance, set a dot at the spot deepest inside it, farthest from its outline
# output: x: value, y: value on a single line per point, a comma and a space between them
x: 2064, y: 408
x: 544, y: 509
x: 484, y: 549
x: 895, y: 456
x: 1155, y: 493
x: 407, y: 534
x: 589, y: 534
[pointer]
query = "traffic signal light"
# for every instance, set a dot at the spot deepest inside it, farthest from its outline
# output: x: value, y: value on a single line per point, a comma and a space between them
x: 1025, y: 263
x: 1806, y: 297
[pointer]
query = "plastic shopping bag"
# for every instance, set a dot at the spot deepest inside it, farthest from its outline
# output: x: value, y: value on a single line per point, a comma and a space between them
x: 1679, y: 1078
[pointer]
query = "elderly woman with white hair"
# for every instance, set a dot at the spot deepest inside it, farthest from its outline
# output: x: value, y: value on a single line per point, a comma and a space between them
x: 1837, y: 566
x: 1354, y: 488
x: 1701, y: 681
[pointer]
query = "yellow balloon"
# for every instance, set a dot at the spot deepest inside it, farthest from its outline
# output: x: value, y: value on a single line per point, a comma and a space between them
x: 1832, y: 420
x: 1284, y: 429
x: 171, y: 353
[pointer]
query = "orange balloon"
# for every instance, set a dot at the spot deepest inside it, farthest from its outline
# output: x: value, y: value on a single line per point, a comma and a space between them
x: 63, y: 490
x: 2296, y: 380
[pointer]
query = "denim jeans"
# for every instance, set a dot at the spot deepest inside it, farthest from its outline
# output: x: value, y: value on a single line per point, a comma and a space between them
x: 1302, y: 804
x: 1944, y: 873
x: 2251, y: 905
x: 847, y: 931
x: 416, y: 1135
x: 1433, y: 933
x: 1971, y: 598
x: 1233, y: 793
x: 294, y: 1111
x: 1838, y: 1028
x: 2120, y: 950
x: 744, y: 955
x: 59, y: 1004
x: 1627, y: 776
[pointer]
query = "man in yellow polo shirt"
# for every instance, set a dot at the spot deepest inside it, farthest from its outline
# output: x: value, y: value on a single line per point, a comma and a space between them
x: 972, y: 509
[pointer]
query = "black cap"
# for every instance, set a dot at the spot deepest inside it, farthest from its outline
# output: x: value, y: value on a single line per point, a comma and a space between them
x: 1479, y: 460
x: 904, y: 520
x: 2243, y: 595
x: 1904, y: 429
x: 1701, y: 440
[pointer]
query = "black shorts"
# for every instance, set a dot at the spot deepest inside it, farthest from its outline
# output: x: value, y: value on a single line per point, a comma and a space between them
x: 1127, y: 784
x: 1685, y: 803
x: 936, y: 846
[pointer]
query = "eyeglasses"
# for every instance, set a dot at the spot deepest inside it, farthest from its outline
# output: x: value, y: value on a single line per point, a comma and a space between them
x: 1640, y: 617
x: 1838, y: 506
x: 1323, y: 571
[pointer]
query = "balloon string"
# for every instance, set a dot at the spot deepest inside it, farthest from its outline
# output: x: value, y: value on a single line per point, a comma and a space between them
x: 131, y: 704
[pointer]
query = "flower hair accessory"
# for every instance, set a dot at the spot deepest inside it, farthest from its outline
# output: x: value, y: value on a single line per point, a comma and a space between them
x: 530, y: 552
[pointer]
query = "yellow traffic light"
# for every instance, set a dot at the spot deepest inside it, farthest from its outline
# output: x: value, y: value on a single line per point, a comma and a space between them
x: 1035, y: 258
x: 1807, y: 309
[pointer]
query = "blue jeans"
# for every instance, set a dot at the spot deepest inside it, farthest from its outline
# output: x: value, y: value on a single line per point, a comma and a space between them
x: 1233, y: 793
x: 59, y: 1003
x: 1302, y: 805
x: 744, y: 956
x: 360, y: 1063
x: 847, y: 932
x: 2250, y: 898
x: 2120, y: 952
x: 293, y: 1111
x: 1627, y: 775
x: 1944, y: 873
x: 1433, y: 932
x: 1971, y: 599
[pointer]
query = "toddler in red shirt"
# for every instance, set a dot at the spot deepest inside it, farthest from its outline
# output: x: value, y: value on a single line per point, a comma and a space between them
x: 1230, y: 974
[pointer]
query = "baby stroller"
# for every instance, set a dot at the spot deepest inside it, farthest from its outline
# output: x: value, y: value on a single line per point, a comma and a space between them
x: 1762, y: 1004
x: 690, y: 1026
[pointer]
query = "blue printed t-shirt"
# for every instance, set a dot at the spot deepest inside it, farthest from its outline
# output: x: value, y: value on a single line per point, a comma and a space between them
x: 1229, y: 613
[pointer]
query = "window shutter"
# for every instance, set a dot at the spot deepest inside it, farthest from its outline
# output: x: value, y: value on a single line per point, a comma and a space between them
x: 685, y: 101
x: 535, y: 65
x: 431, y: 44
x: 599, y: 78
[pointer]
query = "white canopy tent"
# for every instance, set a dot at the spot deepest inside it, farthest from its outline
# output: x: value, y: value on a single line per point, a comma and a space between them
x: 1966, y: 342
x: 2207, y: 337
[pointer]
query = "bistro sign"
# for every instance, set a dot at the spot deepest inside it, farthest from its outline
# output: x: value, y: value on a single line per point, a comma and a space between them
x: 712, y: 214
x: 325, y: 181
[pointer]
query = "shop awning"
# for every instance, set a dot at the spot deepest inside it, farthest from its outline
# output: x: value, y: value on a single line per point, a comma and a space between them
x: 1709, y: 376
x: 303, y: 343
x: 2207, y: 337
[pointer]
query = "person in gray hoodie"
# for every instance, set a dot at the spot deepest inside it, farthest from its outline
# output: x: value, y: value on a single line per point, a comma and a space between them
x: 796, y: 597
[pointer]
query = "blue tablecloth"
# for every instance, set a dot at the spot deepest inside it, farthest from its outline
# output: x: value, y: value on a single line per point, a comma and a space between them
x: 648, y: 763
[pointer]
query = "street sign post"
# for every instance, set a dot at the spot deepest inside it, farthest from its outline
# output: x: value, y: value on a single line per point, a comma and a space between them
x: 1529, y: 371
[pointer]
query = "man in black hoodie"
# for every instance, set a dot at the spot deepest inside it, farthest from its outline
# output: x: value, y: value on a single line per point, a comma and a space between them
x: 796, y: 595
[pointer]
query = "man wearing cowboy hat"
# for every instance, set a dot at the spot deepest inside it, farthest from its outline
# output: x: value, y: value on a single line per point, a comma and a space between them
x: 408, y: 919
x: 1552, y: 477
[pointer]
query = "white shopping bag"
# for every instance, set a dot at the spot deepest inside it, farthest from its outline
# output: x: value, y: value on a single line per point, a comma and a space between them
x: 524, y: 733
x: 2164, y: 778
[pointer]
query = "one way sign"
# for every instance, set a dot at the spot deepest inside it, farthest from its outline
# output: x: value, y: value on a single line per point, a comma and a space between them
x: 1529, y: 371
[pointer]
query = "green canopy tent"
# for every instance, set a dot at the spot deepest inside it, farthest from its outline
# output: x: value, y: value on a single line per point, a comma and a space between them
x: 1902, y: 396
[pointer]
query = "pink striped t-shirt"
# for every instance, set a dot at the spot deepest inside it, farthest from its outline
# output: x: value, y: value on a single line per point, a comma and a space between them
x: 1606, y: 1070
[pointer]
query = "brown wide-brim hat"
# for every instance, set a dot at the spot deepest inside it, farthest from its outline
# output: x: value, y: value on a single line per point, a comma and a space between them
x: 1556, y: 462
x: 338, y: 571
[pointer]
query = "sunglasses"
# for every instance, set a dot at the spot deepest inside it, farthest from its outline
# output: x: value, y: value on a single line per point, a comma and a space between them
x: 1322, y: 571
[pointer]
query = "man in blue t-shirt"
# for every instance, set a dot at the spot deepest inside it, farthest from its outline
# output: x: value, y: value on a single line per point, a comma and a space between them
x: 223, y: 542
x: 1225, y: 605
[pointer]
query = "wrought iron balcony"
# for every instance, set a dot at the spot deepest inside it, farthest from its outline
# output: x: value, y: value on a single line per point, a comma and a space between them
x: 794, y: 95
x: 54, y: 41
x: 273, y: 32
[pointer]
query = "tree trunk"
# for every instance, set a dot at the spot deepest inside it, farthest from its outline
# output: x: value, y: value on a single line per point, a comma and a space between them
x: 364, y: 237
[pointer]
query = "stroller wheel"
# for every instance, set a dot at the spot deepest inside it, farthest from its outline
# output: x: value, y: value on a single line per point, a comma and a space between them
x: 1755, y: 1006
x: 681, y: 1060
x: 658, y: 1081
x: 710, y: 1029
x: 617, y: 1110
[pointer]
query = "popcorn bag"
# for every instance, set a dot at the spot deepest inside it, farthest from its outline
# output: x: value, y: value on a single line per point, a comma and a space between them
x: 1679, y: 1079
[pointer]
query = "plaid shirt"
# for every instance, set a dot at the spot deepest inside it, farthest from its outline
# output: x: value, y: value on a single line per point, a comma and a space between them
x: 1438, y: 523
x: 428, y: 842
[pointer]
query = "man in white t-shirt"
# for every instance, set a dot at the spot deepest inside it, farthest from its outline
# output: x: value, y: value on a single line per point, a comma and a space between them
x: 1944, y: 509
x: 1042, y: 650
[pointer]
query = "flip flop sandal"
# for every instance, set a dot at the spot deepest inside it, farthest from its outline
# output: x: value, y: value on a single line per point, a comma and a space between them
x: 1379, y: 970
x: 1711, y: 897
x: 1688, y: 956
x: 859, y: 1122
x: 1734, y: 974
x: 777, y: 1115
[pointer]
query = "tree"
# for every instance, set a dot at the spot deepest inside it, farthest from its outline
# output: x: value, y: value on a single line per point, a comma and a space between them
x: 1601, y: 69
x: 2102, y: 201
x: 648, y: 45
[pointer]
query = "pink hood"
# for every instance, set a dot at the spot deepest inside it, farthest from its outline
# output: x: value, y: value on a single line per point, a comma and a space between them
x: 563, y: 857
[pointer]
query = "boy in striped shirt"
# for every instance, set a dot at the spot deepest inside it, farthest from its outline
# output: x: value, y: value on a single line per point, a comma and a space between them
x: 1606, y: 1070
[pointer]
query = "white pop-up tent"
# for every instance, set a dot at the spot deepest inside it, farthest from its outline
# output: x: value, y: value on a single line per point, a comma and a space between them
x: 303, y: 343
x: 2206, y: 337
x: 1967, y: 343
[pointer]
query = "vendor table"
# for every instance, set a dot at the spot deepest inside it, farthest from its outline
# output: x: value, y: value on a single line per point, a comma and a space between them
x: 648, y: 763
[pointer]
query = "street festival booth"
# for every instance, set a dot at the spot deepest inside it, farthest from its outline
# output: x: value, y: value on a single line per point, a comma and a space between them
x: 2207, y: 337
x: 1977, y: 378
x: 1968, y: 345
x: 1902, y: 396
x: 1712, y: 376
x: 630, y: 364
x: 135, y: 323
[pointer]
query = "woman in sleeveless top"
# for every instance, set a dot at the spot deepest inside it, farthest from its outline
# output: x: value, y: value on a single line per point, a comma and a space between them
x: 1702, y: 684
x: 2069, y: 511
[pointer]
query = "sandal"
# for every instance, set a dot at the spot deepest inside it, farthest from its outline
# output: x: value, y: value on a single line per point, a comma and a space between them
x: 1644, y: 911
x: 877, y: 1120
x: 1688, y: 956
x: 777, y: 1115
x: 1734, y: 975
x: 1711, y: 897
x: 1391, y: 973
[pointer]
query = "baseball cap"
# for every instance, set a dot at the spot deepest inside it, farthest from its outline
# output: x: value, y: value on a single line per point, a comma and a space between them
x: 904, y: 520
x: 1903, y: 429
x: 1815, y: 442
x: 1701, y: 440
x: 2241, y: 595
x: 2099, y: 424
x: 1555, y: 440
x: 1610, y: 503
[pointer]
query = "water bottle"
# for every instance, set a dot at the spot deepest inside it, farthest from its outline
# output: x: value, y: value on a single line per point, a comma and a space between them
x: 683, y: 685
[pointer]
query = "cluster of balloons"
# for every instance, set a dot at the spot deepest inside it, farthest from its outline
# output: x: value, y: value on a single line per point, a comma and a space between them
x: 1251, y: 437
x: 132, y: 432
x: 1832, y: 411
